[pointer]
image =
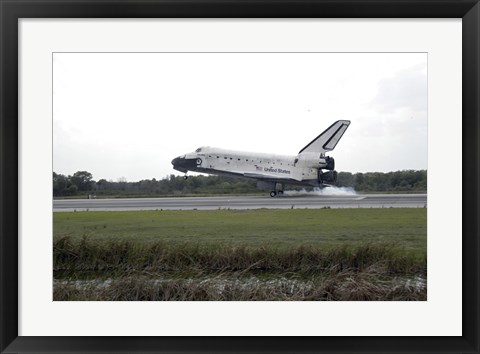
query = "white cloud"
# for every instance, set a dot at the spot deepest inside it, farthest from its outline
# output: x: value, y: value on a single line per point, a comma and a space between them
x: 406, y: 89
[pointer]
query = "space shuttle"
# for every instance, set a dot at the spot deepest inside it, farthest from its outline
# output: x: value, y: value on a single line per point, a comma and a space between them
x: 310, y: 167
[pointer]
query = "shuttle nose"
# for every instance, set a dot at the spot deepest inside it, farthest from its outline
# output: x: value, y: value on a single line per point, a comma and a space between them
x: 179, y: 164
x: 175, y: 161
x: 184, y: 164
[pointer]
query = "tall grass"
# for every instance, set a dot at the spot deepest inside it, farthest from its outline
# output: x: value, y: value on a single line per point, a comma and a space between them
x: 345, y: 286
x: 118, y: 257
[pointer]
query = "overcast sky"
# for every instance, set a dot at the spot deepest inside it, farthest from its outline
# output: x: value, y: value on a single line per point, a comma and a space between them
x: 127, y: 115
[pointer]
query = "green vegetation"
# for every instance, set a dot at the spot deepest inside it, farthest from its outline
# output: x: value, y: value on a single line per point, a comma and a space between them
x: 265, y: 227
x: 323, y: 254
x: 399, y: 181
x: 90, y: 258
x: 82, y: 184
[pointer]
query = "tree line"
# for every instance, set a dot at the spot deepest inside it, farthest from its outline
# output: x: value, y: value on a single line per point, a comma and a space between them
x: 81, y: 183
x: 398, y: 181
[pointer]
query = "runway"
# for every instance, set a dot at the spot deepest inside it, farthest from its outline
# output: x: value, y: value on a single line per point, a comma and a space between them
x: 247, y: 202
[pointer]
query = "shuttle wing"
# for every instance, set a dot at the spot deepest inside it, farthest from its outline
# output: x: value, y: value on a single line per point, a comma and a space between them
x: 268, y: 177
x: 328, y: 139
x: 259, y: 175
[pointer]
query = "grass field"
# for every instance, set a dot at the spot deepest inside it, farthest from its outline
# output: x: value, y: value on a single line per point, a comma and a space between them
x: 322, y: 254
x: 279, y: 228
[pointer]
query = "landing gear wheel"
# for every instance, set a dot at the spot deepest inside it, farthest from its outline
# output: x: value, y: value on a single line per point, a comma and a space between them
x: 185, y: 177
x: 273, y: 194
x: 280, y: 192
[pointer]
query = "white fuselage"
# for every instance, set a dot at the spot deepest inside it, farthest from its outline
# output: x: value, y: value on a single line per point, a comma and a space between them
x: 268, y: 167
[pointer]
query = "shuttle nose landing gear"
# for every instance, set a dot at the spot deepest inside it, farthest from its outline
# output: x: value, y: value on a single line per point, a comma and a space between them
x: 273, y: 194
x: 185, y: 177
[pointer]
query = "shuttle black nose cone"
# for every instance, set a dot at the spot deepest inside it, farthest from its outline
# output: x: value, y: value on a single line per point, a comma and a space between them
x: 179, y: 164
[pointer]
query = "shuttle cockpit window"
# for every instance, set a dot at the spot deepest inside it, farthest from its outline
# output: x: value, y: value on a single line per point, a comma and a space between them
x: 198, y: 150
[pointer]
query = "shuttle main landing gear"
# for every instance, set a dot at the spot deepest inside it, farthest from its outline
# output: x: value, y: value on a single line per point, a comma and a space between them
x: 185, y: 177
x: 277, y: 191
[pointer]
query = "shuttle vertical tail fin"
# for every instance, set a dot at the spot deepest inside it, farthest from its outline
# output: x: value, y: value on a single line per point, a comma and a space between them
x: 328, y: 139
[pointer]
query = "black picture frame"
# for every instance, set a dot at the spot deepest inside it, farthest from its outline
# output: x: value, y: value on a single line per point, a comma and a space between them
x: 12, y: 10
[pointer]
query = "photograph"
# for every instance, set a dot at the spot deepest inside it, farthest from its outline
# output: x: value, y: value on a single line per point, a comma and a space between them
x: 239, y: 176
